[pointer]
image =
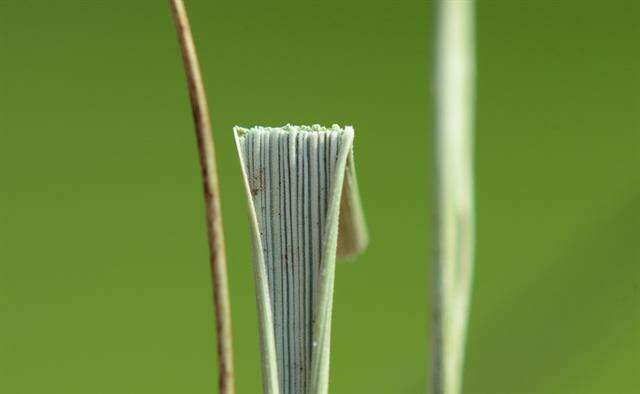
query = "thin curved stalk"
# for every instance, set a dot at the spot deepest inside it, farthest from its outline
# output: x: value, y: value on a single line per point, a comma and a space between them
x: 209, y: 172
x: 455, y: 221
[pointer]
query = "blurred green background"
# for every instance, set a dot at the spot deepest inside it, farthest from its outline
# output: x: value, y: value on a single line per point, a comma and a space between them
x: 104, y: 278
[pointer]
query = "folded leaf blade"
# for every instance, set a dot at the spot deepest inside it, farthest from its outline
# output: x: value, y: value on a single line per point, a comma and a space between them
x: 294, y: 178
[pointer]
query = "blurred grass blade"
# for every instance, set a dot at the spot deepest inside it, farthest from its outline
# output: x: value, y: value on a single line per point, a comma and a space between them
x: 455, y: 227
x: 294, y: 178
x: 209, y: 172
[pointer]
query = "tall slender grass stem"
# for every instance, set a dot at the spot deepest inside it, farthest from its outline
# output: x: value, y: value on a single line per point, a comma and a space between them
x: 455, y: 222
x: 209, y: 172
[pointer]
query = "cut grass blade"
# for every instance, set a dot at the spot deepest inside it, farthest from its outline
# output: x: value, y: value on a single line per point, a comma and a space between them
x: 297, y: 178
